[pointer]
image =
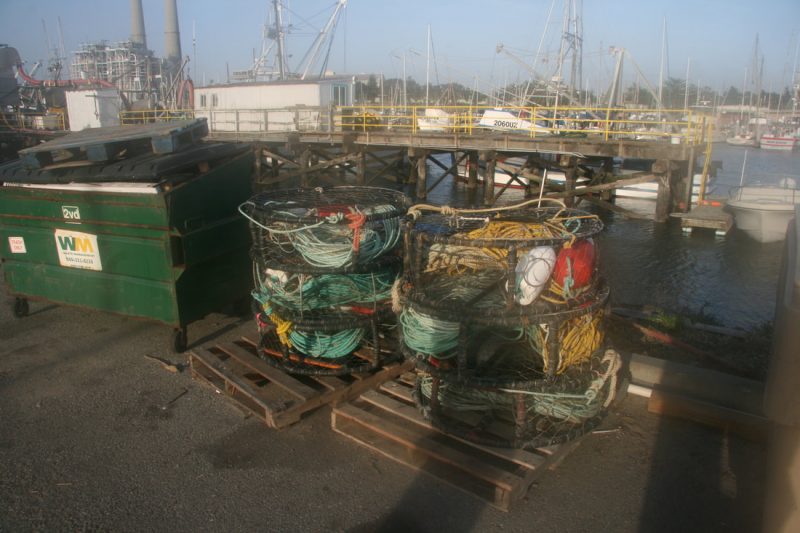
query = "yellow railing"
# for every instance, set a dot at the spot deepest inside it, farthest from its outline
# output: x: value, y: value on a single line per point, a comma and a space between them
x: 154, y: 115
x: 675, y: 125
x: 24, y: 120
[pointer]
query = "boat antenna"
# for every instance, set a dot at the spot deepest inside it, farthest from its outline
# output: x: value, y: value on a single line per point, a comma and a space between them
x: 744, y: 164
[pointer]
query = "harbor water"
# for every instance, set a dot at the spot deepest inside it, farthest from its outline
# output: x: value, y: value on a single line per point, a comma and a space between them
x: 729, y: 280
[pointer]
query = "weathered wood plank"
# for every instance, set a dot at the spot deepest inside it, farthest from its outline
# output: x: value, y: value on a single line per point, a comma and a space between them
x: 747, y: 425
x: 420, y: 442
x: 212, y: 363
x: 412, y: 414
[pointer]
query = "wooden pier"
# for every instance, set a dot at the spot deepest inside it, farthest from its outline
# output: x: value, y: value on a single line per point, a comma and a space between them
x: 308, y: 159
x: 370, y: 145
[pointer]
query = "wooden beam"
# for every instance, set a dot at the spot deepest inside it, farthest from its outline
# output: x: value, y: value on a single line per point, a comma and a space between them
x: 599, y: 202
x: 603, y: 186
x: 279, y: 157
x: 453, y: 169
x: 711, y: 386
x: 472, y: 177
x: 747, y: 425
x: 422, y: 176
x: 386, y: 167
x: 321, y: 166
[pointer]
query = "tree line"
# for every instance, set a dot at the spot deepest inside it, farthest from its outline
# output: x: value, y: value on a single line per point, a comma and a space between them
x: 674, y: 94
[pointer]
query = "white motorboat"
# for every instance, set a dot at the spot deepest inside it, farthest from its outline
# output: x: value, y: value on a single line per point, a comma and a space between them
x: 743, y: 140
x: 435, y: 119
x: 764, y: 212
x: 649, y: 189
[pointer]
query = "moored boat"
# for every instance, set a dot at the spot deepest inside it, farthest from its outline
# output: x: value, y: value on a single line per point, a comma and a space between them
x: 784, y: 143
x: 764, y: 212
x: 742, y: 140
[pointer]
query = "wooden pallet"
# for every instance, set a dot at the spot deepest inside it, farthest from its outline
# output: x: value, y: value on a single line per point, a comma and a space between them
x: 388, y: 422
x: 279, y: 399
x: 105, y: 144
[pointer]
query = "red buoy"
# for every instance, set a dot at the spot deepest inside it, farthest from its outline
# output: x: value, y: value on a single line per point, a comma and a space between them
x: 575, y: 263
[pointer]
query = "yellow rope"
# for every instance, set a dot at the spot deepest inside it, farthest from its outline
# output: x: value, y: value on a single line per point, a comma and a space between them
x: 499, y: 229
x: 283, y: 328
x: 578, y: 338
x: 558, y: 296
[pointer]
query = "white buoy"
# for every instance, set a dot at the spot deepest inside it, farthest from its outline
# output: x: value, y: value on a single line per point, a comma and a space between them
x: 533, y: 272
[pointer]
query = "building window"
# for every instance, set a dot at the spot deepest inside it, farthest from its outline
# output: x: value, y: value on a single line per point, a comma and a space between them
x: 214, y: 100
x: 202, y: 100
x: 339, y: 94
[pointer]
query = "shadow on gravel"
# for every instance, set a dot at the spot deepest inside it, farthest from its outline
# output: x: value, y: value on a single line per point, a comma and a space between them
x: 424, y: 509
x: 703, y: 479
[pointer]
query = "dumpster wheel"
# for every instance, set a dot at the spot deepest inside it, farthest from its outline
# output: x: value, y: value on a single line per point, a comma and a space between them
x: 179, y: 340
x: 21, y: 308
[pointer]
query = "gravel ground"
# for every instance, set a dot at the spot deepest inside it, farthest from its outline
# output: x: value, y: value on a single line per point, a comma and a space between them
x: 95, y: 436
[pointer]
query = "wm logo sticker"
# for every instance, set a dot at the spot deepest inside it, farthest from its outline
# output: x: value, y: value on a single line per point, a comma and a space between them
x: 75, y: 244
x: 77, y: 250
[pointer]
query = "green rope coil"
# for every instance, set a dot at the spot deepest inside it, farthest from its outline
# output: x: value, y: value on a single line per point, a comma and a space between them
x: 306, y: 292
x: 425, y: 334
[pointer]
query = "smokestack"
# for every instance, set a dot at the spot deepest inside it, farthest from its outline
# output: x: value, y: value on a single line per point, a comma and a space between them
x: 137, y: 24
x: 172, y: 37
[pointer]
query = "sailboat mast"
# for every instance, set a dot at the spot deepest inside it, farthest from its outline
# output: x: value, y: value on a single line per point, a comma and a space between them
x: 686, y: 89
x: 661, y: 66
x: 280, y: 39
x: 428, y: 68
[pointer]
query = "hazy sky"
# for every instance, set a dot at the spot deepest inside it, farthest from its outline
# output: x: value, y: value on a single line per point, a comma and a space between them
x: 715, y: 36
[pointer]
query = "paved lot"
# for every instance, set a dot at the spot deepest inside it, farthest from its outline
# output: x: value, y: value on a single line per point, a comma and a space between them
x: 94, y: 435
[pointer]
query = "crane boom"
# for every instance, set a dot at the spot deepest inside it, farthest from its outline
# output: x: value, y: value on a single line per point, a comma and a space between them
x: 500, y: 48
x: 325, y: 34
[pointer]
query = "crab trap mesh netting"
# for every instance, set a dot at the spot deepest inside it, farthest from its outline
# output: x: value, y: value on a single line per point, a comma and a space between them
x: 324, y: 263
x: 331, y: 294
x: 502, y: 311
x: 324, y: 229
x: 527, y: 261
x: 517, y: 356
x: 326, y: 347
x: 551, y: 413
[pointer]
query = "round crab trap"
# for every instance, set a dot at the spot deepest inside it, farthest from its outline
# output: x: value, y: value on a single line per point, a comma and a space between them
x: 325, y: 345
x: 324, y: 229
x: 360, y: 291
x: 515, y: 356
x: 518, y: 260
x: 561, y: 410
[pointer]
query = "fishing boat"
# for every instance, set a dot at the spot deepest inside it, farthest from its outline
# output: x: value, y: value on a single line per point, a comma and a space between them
x: 742, y: 140
x: 503, y: 179
x: 783, y: 143
x: 649, y: 190
x: 435, y: 119
x: 504, y: 120
x: 763, y: 212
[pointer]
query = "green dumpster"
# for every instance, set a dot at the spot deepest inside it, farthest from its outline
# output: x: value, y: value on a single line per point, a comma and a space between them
x: 156, y: 236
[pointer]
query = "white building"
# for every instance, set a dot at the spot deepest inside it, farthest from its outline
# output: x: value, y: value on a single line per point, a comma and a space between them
x: 93, y: 108
x: 292, y: 105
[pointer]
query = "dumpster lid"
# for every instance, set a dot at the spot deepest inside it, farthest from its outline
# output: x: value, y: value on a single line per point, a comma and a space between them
x: 106, y: 144
x: 108, y: 186
x: 141, y: 168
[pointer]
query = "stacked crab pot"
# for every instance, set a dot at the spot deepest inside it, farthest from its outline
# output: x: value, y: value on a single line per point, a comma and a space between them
x: 502, y: 311
x: 324, y: 263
